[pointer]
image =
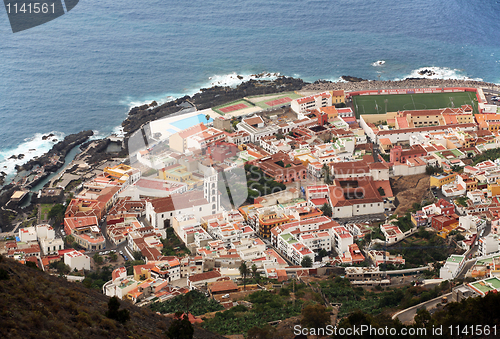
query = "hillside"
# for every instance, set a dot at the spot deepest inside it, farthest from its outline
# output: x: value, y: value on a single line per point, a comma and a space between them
x: 37, y: 305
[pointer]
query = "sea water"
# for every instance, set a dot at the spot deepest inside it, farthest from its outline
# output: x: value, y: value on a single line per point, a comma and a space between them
x: 85, y: 69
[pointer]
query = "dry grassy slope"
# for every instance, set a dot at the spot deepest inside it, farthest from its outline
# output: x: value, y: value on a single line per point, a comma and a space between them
x: 409, y: 190
x: 37, y: 305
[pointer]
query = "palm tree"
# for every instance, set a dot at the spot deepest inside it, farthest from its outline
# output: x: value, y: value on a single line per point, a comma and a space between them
x: 207, y: 116
x: 244, y: 272
x: 255, y: 274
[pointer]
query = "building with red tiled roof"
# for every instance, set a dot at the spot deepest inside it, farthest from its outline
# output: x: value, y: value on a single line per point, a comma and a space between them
x: 86, y: 232
x: 202, y: 278
x: 222, y: 287
x: 301, y: 105
x: 357, y: 196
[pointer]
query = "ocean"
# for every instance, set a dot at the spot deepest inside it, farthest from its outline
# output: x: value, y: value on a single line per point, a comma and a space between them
x: 85, y: 69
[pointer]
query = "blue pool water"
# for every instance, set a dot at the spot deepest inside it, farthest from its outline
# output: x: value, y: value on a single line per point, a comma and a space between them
x: 191, y: 121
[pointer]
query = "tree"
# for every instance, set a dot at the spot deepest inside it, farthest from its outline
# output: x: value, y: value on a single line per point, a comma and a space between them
x: 244, y: 272
x: 306, y: 261
x: 255, y: 274
x: 115, y: 313
x: 279, y: 136
x: 98, y: 259
x: 326, y: 174
x: 266, y: 332
x: 62, y: 268
x: 113, y: 256
x: 381, y: 191
x: 322, y: 253
x: 422, y: 318
x: 207, y: 116
x: 180, y: 328
x: 315, y: 316
x: 137, y: 255
x: 326, y: 209
x: 56, y: 213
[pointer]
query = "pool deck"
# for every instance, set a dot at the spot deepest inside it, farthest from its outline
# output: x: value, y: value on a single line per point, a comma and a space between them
x: 165, y: 128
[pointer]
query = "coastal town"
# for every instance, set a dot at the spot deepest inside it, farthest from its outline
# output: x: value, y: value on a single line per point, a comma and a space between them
x: 384, y: 187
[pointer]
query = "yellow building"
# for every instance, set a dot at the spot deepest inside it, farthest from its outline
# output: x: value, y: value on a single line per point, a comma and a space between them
x: 494, y: 189
x: 120, y: 172
x: 338, y: 96
x: 442, y: 179
x: 331, y: 111
x: 269, y: 221
x: 179, y: 173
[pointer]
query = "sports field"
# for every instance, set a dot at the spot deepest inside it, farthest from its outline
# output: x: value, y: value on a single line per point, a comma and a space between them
x: 233, y: 106
x: 275, y: 100
x: 379, y: 104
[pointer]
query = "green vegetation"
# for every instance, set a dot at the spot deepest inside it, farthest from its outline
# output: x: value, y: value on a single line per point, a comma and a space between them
x: 96, y: 279
x: 326, y: 209
x: 385, y: 156
x: 462, y: 201
x: 469, y: 312
x: 340, y: 290
x: 57, y: 213
x: 244, y: 271
x: 37, y: 304
x: 381, y: 191
x: 115, y: 313
x: 258, y: 184
x: 45, y: 210
x: 180, y: 328
x: 404, y: 223
x: 306, y: 262
x: 431, y: 170
x: 491, y: 154
x: 194, y: 302
x: 326, y: 174
x: 422, y: 248
x: 376, y: 104
x: 315, y: 316
x: 266, y: 307
x: 172, y: 245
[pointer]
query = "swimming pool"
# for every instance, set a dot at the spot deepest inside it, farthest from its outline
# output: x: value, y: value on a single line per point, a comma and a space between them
x: 191, y: 121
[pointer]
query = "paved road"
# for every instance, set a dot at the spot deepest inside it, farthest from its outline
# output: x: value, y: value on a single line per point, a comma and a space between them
x: 406, y: 316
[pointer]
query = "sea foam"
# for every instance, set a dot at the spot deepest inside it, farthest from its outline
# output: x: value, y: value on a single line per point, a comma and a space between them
x: 31, y: 148
x: 433, y: 72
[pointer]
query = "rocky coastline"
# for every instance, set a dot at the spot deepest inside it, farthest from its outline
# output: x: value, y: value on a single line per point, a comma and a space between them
x: 214, y: 96
x: 60, y: 149
x: 355, y: 84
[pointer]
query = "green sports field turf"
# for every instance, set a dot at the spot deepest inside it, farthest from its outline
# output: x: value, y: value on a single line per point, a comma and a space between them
x: 376, y: 104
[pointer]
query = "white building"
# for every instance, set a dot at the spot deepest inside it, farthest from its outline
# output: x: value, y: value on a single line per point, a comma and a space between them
x: 78, y: 260
x: 488, y: 245
x: 27, y: 234
x: 343, y: 238
x: 312, y: 102
x: 256, y: 128
x: 452, y: 267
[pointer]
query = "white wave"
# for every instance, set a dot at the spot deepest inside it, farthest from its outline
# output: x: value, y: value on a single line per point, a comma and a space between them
x: 31, y: 148
x: 226, y: 80
x: 234, y: 79
x: 378, y: 63
x: 439, y: 73
x: 160, y: 100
